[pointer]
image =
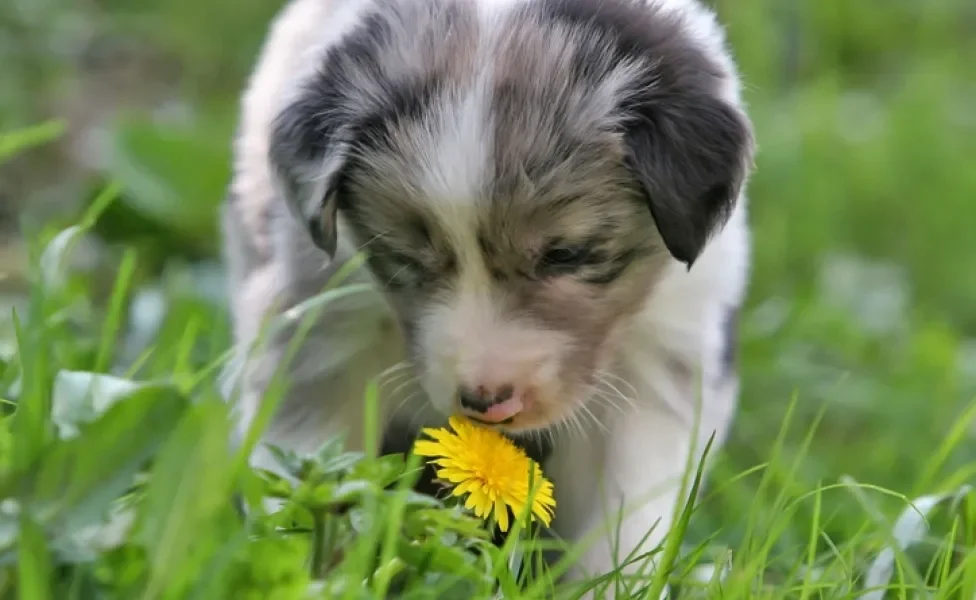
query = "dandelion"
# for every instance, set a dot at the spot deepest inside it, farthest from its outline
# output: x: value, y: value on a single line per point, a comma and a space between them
x: 490, y: 470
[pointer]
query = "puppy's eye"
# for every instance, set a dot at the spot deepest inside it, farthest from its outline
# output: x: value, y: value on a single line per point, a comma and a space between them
x: 401, y: 272
x: 407, y: 274
x: 563, y: 260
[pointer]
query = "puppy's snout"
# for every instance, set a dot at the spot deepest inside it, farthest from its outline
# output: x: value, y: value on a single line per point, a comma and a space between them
x: 492, y: 405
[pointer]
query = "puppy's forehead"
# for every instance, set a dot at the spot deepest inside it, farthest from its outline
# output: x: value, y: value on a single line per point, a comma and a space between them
x: 486, y: 111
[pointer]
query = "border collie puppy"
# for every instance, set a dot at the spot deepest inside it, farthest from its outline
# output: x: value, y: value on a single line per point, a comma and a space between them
x: 549, y: 195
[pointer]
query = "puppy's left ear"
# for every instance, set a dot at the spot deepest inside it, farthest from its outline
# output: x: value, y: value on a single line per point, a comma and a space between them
x: 307, y: 157
x: 691, y: 154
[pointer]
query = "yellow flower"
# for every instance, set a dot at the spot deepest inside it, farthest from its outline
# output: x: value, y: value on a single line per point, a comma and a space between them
x: 492, y: 471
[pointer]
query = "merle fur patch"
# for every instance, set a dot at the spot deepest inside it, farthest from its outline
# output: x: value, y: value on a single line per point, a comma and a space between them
x: 730, y: 342
x: 688, y: 149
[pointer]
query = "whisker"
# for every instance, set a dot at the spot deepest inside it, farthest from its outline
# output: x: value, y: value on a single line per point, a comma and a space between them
x: 404, y: 402
x: 631, y: 401
x: 578, y: 425
x: 605, y: 375
x: 373, y: 239
x: 397, y: 377
x: 588, y: 412
x: 403, y: 385
x: 394, y: 276
x: 395, y: 368
x: 559, y: 426
x: 602, y: 396
x: 417, y: 415
x: 546, y: 433
x: 393, y: 374
x: 325, y: 265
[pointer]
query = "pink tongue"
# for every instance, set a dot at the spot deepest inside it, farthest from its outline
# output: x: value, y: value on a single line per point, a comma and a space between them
x: 505, y: 410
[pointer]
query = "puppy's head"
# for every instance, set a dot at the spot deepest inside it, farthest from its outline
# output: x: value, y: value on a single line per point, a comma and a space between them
x: 518, y: 179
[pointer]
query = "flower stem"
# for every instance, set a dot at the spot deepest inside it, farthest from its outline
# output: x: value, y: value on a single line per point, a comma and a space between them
x: 324, y: 531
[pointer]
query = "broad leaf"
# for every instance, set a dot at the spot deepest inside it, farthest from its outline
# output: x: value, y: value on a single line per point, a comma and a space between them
x: 190, y: 484
x: 81, y: 397
x: 73, y: 482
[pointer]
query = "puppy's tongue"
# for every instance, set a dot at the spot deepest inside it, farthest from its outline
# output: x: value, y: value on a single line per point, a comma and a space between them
x: 503, y: 410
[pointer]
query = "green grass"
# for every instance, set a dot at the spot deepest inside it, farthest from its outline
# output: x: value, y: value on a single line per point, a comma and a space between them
x: 116, y: 479
x: 120, y: 485
x: 848, y: 461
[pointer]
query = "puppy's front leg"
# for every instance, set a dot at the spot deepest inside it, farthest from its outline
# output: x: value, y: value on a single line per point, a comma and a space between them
x: 616, y: 491
x: 319, y: 378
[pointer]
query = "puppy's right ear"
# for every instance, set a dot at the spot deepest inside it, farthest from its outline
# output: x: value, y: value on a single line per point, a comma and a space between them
x: 307, y: 157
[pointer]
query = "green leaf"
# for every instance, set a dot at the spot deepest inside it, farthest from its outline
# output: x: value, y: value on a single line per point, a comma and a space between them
x: 219, y: 569
x: 54, y: 262
x: 20, y: 140
x: 436, y: 557
x: 31, y: 425
x: 274, y: 485
x: 354, y: 492
x: 286, y: 459
x: 339, y: 465
x: 912, y: 527
x: 428, y: 520
x: 6, y: 446
x: 330, y: 450
x: 189, y: 486
x: 86, y: 544
x: 56, y: 257
x: 33, y: 562
x: 175, y: 177
x: 414, y: 499
x: 80, y: 397
x: 384, y: 470
x: 73, y: 482
x: 313, y: 495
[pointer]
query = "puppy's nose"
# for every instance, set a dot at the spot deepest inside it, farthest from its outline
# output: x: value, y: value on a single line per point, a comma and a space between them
x: 491, y: 406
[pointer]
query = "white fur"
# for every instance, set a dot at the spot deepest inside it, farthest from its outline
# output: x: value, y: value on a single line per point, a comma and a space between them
x: 639, y: 455
x: 633, y: 452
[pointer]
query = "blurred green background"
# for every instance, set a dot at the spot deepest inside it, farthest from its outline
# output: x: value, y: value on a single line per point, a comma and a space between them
x: 863, y: 299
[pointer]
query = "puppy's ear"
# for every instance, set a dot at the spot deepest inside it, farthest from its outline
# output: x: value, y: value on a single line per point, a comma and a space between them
x: 691, y: 153
x: 307, y: 157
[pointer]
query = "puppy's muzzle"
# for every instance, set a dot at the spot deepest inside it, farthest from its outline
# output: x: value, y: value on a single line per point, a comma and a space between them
x: 496, y: 406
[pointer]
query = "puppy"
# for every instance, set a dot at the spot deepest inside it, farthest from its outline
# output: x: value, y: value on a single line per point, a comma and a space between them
x: 549, y: 197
